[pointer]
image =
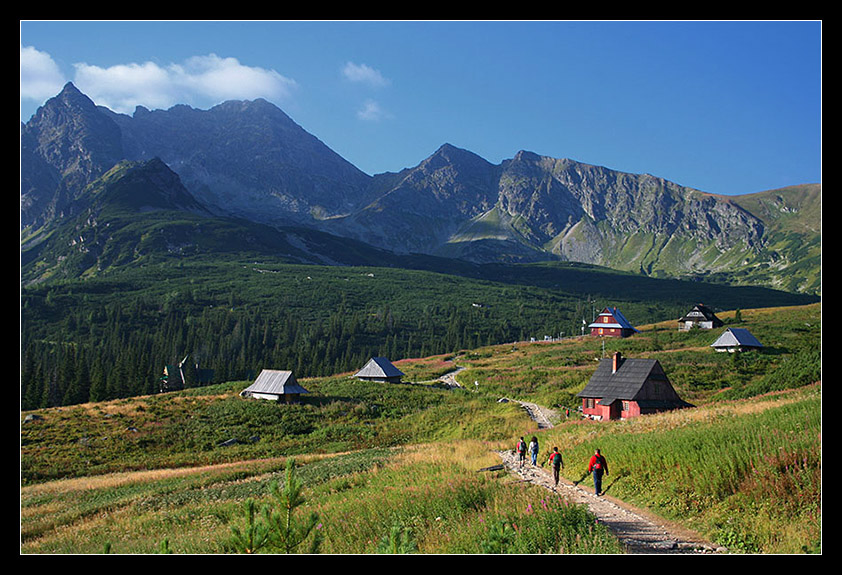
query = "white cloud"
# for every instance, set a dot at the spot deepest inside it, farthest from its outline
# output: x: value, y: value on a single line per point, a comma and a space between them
x: 123, y: 87
x: 227, y: 79
x: 372, y: 112
x: 365, y: 74
x: 199, y: 81
x: 40, y: 77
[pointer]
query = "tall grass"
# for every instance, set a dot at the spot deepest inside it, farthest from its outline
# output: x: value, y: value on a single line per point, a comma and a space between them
x: 718, y: 467
x: 435, y: 493
x: 432, y: 493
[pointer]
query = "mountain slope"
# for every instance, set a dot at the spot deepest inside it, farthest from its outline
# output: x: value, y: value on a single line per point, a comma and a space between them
x: 139, y: 212
x: 249, y: 160
x: 534, y: 208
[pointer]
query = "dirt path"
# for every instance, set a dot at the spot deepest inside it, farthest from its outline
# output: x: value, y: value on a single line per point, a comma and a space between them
x: 637, y: 529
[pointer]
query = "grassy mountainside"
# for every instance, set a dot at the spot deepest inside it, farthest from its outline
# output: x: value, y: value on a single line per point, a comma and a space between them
x: 743, y: 467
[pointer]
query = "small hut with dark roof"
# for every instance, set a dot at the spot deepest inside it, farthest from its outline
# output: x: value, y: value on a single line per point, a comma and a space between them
x: 276, y: 385
x: 379, y: 369
x: 624, y: 387
x: 700, y: 316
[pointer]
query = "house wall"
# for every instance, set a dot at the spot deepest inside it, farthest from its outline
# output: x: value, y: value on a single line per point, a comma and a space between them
x: 613, y: 411
x: 607, y: 331
x: 285, y: 398
x: 590, y: 407
x: 617, y: 410
x: 633, y: 410
x: 688, y: 325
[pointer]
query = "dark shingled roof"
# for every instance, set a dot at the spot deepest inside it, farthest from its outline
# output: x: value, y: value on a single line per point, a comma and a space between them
x: 628, y: 384
x: 700, y: 311
x: 624, y: 384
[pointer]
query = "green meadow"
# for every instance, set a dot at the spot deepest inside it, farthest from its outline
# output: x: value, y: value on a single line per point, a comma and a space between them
x: 395, y: 468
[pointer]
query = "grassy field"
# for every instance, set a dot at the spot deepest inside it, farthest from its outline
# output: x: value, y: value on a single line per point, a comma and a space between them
x: 394, y: 467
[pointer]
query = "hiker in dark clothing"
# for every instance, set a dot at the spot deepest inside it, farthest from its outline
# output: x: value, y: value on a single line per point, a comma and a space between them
x: 557, y: 463
x: 598, y: 466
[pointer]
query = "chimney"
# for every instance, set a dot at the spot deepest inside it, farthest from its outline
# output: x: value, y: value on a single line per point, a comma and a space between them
x: 616, y: 363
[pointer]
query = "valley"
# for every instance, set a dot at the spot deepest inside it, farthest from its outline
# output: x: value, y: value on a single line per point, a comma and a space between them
x: 375, y: 456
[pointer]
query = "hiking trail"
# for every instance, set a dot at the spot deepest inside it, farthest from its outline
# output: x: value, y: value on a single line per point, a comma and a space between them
x: 639, y: 531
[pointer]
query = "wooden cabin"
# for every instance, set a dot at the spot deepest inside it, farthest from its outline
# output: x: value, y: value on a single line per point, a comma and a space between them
x: 701, y: 316
x: 611, y: 323
x: 172, y: 379
x: 736, y: 339
x: 379, y: 369
x: 624, y: 387
x: 275, y: 385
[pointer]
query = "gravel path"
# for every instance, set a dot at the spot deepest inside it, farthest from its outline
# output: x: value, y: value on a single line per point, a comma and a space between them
x: 638, y: 530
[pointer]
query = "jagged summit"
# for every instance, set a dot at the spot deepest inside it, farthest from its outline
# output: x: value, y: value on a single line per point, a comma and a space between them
x: 248, y: 159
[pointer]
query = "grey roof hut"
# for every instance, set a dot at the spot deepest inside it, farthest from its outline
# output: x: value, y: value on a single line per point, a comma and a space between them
x: 379, y: 369
x: 700, y: 316
x: 624, y: 387
x: 276, y: 385
x: 736, y: 339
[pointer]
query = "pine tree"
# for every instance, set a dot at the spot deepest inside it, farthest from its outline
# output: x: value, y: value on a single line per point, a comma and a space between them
x: 287, y: 531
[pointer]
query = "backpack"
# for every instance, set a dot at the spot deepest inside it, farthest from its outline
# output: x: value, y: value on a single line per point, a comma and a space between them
x: 521, y: 447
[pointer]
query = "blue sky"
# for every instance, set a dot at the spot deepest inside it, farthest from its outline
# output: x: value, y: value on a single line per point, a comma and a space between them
x: 724, y: 107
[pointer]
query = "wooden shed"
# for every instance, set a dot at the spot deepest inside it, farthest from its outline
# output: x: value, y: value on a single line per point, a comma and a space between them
x: 612, y: 323
x: 736, y: 339
x: 275, y: 385
x: 700, y: 316
x: 379, y: 369
x: 624, y: 387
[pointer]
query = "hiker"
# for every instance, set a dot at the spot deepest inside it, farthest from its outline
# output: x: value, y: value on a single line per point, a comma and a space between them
x: 533, y: 450
x: 557, y: 463
x: 521, y: 451
x: 597, y: 466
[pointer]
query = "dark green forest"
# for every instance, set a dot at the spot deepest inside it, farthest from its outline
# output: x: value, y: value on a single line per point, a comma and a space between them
x: 111, y: 336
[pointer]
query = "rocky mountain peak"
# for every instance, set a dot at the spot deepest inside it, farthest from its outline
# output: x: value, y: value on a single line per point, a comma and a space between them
x: 249, y: 160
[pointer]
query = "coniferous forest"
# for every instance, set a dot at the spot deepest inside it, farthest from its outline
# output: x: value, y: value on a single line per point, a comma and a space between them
x: 111, y: 336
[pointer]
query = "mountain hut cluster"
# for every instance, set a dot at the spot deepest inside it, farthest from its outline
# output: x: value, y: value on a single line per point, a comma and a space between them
x: 620, y: 387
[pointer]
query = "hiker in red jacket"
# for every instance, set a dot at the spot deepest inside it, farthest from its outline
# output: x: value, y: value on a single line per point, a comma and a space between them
x: 597, y: 466
x: 521, y: 451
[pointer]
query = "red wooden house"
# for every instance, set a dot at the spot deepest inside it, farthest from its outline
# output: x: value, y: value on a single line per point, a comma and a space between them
x: 612, y: 323
x: 623, y: 387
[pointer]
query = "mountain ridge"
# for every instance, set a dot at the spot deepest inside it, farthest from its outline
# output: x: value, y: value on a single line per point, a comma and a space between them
x: 249, y: 160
